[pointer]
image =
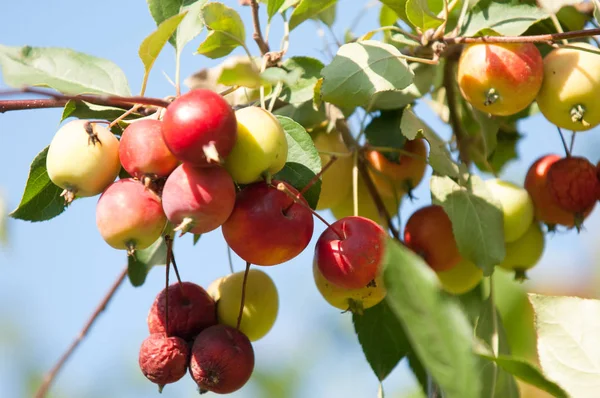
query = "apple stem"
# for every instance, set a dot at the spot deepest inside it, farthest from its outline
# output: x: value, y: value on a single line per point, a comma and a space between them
x: 167, y: 265
x: 239, y: 320
x: 313, y: 180
x: 171, y: 253
x: 296, y: 199
x: 564, y: 142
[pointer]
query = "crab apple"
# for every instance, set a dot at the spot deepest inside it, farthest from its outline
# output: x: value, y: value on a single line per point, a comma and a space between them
x: 222, y: 360
x: 336, y: 181
x: 355, y: 300
x: 130, y: 216
x: 569, y: 95
x: 366, y: 205
x: 191, y: 310
x: 83, y: 159
x: 261, y: 302
x: 199, y: 127
x: 428, y: 232
x: 501, y: 79
x: 546, y: 208
x: 164, y: 360
x: 267, y: 227
x: 524, y: 253
x: 198, y: 199
x: 517, y: 207
x: 349, y: 253
x: 396, y: 178
x: 462, y: 278
x: 574, y: 184
x: 261, y: 147
x: 143, y: 152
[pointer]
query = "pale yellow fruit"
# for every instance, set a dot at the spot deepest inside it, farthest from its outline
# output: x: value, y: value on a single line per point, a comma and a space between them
x: 525, y: 252
x: 83, y: 158
x: 366, y: 205
x: 462, y: 278
x: 261, y: 302
x: 336, y: 182
x: 355, y: 300
x: 517, y: 207
x: 261, y: 146
x: 571, y: 80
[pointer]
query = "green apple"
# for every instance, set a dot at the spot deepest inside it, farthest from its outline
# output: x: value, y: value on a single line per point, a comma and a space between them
x: 261, y: 147
x: 261, y: 302
x: 83, y: 159
x: 517, y: 207
x: 524, y: 253
x: 462, y: 278
x: 355, y: 300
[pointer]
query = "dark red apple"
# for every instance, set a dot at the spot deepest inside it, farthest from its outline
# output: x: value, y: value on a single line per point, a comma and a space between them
x: 143, y: 152
x: 266, y: 226
x: 222, y: 360
x: 198, y: 199
x: 191, y: 310
x: 129, y: 216
x: 200, y: 127
x: 164, y: 360
x: 350, y: 252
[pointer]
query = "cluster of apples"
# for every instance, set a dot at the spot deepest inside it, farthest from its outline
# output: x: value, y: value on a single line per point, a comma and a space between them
x: 505, y: 78
x: 209, y: 332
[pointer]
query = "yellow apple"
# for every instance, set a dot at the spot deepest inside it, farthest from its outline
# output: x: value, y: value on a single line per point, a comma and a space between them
x: 355, y: 300
x: 517, y: 207
x: 336, y: 182
x: 462, y: 278
x: 83, y: 159
x: 261, y: 302
x: 261, y: 146
x: 525, y: 252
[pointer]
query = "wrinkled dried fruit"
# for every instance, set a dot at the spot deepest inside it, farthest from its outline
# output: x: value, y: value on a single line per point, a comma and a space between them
x: 163, y: 359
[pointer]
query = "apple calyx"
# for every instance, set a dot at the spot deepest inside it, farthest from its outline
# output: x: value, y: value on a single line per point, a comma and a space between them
x: 211, y: 153
x: 93, y: 138
x: 69, y: 195
x: 186, y: 225
x: 577, y: 115
x: 491, y: 97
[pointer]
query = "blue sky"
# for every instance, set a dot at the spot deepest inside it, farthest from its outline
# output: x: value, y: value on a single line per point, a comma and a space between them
x: 53, y: 274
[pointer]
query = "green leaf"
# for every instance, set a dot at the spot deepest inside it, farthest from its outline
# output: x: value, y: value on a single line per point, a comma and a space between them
x: 384, y: 131
x: 273, y: 7
x: 41, y: 199
x: 85, y: 110
x: 553, y: 6
x: 439, y: 156
x: 421, y: 85
x: 398, y: 6
x: 142, y: 261
x: 226, y: 31
x: 302, y: 89
x: 197, y: 238
x: 421, y: 16
x: 435, y: 325
x: 528, y: 373
x: 307, y: 9
x: 568, y: 350
x: 360, y: 70
x: 191, y: 25
x: 477, y: 219
x: 303, y: 161
x: 276, y: 75
x: 304, y: 114
x: 154, y: 43
x: 327, y: 16
x: 162, y: 10
x: 418, y: 371
x: 241, y: 72
x: 506, y: 150
x: 507, y: 18
x: 381, y: 337
x: 62, y: 69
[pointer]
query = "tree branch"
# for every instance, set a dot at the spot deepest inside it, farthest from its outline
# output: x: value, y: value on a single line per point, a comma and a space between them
x: 51, y: 375
x: 257, y: 36
x: 550, y: 37
x: 18, y: 105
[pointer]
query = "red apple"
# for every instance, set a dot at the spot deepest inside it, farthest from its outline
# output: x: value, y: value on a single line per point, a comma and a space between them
x: 163, y: 360
x: 198, y: 199
x: 191, y: 310
x: 143, y: 152
x: 574, y: 184
x: 200, y: 127
x: 349, y: 253
x: 266, y: 226
x: 222, y: 360
x: 130, y: 216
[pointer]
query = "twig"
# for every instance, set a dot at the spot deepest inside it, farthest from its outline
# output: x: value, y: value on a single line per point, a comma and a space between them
x: 239, y: 320
x: 257, y: 36
x: 550, y: 37
x: 17, y: 105
x: 51, y: 375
